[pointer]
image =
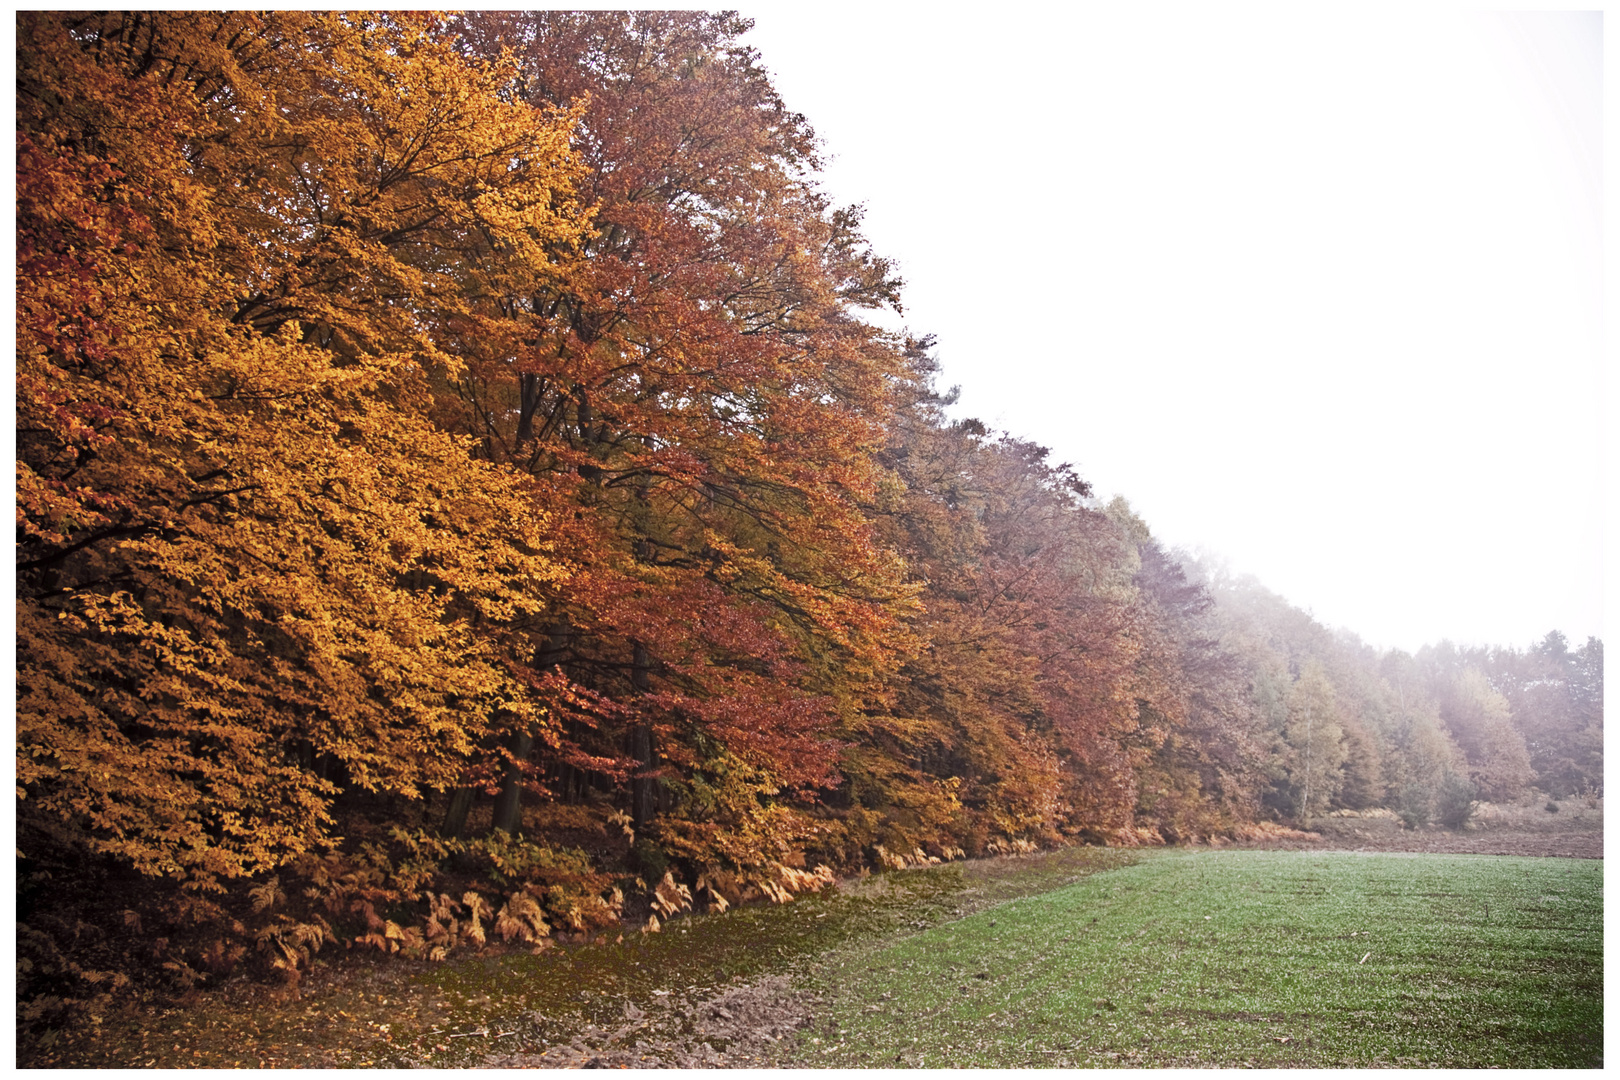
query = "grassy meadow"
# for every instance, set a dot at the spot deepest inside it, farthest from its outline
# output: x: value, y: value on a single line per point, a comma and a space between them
x: 1265, y: 958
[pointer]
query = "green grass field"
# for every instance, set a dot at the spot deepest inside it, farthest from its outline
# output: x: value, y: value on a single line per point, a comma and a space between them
x: 1266, y: 958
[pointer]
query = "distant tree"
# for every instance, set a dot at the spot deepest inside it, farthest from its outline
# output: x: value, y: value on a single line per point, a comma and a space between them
x: 1016, y: 703
x: 1480, y: 720
x: 1206, y: 771
x: 1421, y: 752
x: 1315, y: 737
x: 1556, y: 698
x: 1586, y: 741
x: 1363, y: 783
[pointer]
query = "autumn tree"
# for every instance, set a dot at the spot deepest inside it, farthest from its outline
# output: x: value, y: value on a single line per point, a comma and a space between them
x: 1555, y: 695
x: 1066, y: 685
x: 1479, y: 719
x: 706, y: 400
x: 250, y: 567
x: 1421, y: 752
x: 1299, y: 671
x: 1315, y: 735
x: 1205, y: 775
x: 965, y: 750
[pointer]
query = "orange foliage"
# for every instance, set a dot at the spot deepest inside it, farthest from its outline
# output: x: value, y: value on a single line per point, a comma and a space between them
x: 244, y: 547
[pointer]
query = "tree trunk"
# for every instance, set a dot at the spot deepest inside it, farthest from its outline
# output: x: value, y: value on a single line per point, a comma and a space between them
x: 644, y: 790
x: 509, y: 801
x: 528, y: 402
x: 455, y: 816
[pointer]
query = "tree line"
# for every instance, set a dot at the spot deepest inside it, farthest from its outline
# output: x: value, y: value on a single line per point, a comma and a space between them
x: 463, y: 492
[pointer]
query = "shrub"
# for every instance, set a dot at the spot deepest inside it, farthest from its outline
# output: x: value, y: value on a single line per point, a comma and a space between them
x: 1416, y: 805
x: 1455, y: 801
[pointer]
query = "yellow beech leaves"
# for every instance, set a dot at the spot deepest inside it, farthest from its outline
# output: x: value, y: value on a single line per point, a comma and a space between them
x: 248, y: 563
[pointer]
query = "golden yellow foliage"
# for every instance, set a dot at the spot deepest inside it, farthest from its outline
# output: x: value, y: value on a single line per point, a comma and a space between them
x: 245, y: 244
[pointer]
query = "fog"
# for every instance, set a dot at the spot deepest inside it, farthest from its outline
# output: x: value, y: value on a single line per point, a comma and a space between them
x: 1318, y: 291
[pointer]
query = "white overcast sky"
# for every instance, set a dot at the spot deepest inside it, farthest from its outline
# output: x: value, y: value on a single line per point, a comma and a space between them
x: 1319, y: 292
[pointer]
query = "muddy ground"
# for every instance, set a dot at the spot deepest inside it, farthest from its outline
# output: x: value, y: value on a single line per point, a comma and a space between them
x: 1575, y: 832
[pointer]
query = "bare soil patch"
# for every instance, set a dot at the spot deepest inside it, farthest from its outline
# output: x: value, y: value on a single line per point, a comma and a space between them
x: 743, y: 1027
x: 1574, y: 831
